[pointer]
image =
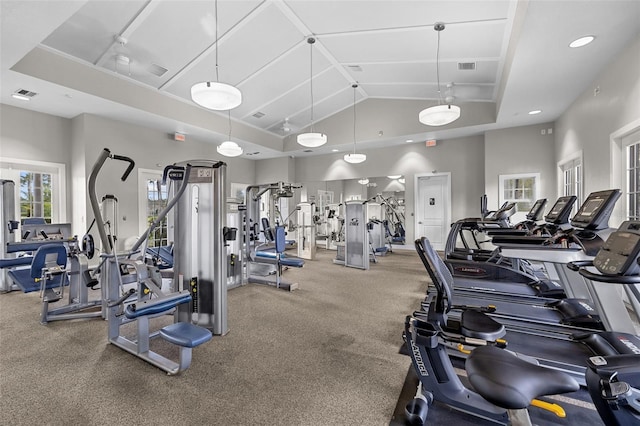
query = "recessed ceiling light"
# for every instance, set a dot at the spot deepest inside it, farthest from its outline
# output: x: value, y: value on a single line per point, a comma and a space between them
x: 394, y: 176
x: 582, y: 41
x: 409, y: 140
x: 20, y: 97
x: 334, y: 150
x: 535, y: 111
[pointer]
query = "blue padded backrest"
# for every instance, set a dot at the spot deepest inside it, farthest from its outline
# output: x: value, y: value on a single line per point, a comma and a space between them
x: 46, y: 254
x: 34, y: 221
x: 280, y: 239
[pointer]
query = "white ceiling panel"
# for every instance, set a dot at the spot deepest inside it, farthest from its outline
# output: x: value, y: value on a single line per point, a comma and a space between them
x: 324, y: 17
x: 93, y: 28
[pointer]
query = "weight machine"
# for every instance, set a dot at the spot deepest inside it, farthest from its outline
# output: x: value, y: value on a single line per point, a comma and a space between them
x: 147, y: 300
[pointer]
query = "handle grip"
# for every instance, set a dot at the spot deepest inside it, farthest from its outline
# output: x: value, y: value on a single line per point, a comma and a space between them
x: 132, y: 164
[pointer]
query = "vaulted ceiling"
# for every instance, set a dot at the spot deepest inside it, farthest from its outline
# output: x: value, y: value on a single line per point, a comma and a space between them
x: 501, y: 58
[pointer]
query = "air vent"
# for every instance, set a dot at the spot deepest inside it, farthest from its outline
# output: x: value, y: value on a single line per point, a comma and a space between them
x: 258, y: 114
x: 156, y: 69
x: 466, y: 66
x: 27, y: 93
x: 308, y: 150
x: 356, y: 68
x: 253, y: 153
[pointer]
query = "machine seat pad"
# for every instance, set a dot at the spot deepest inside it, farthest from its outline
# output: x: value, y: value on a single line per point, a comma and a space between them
x: 17, y: 261
x: 136, y: 310
x: 22, y: 278
x: 480, y: 326
x: 293, y: 262
x: 511, y: 382
x: 185, y: 334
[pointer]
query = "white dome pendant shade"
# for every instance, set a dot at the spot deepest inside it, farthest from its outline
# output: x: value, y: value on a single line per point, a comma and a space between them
x: 216, y: 96
x: 440, y: 115
x: 311, y: 139
x: 229, y: 149
x: 354, y: 158
x: 213, y: 94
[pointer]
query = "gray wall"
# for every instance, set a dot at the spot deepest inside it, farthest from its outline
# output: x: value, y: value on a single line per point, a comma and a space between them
x: 519, y: 150
x: 588, y: 123
x: 461, y: 157
x: 28, y: 135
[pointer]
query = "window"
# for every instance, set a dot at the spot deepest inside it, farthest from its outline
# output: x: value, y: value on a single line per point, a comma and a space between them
x: 39, y: 188
x: 572, y: 180
x: 152, y: 200
x: 35, y: 195
x: 156, y: 202
x: 633, y: 181
x: 521, y: 189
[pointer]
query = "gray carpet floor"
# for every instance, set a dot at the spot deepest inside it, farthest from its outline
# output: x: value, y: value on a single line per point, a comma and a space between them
x: 325, y: 354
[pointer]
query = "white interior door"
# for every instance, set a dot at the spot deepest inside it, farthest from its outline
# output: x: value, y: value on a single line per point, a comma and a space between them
x: 433, y: 208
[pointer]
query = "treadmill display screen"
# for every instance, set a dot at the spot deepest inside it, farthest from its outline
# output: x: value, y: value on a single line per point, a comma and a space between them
x: 595, y: 211
x: 559, y: 209
x: 536, y: 211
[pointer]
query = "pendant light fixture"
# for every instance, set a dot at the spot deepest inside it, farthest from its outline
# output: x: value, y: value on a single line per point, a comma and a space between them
x: 354, y: 158
x: 311, y: 139
x: 229, y: 148
x: 440, y: 114
x: 213, y: 94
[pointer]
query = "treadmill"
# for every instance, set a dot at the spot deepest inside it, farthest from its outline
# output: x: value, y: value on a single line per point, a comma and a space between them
x: 492, y: 265
x: 568, y: 354
x: 588, y: 306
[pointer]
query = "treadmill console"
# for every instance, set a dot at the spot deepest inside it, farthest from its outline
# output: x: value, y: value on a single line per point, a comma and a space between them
x: 620, y: 251
x: 559, y: 213
x: 537, y: 210
x: 595, y: 211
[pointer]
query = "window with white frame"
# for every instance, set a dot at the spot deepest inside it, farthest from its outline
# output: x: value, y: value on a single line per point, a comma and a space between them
x: 572, y: 180
x: 153, y: 199
x: 521, y: 189
x: 39, y: 186
x: 633, y: 181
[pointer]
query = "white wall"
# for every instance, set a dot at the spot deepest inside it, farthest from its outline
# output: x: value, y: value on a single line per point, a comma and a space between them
x: 28, y: 135
x: 589, y: 122
x: 519, y: 150
x: 462, y: 157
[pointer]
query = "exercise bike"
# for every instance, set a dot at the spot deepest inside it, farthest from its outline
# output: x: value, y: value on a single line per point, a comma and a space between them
x: 506, y: 384
x: 498, y: 397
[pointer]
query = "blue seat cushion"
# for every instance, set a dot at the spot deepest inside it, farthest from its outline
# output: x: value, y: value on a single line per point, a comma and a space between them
x: 294, y: 262
x: 185, y: 334
x: 17, y: 261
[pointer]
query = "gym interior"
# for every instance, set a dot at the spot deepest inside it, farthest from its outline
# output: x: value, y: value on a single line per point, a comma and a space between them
x: 409, y: 212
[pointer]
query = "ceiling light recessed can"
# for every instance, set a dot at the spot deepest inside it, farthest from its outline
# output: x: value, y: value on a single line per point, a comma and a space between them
x: 582, y: 41
x: 535, y: 111
x: 334, y: 150
x: 409, y: 140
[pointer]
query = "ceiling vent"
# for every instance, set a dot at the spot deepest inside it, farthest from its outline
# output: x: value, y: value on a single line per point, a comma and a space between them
x: 258, y: 114
x: 156, y: 69
x: 253, y: 153
x: 308, y: 150
x: 466, y: 66
x: 356, y: 68
x: 26, y: 93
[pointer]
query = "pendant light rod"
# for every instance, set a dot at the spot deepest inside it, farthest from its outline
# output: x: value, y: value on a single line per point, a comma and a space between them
x: 215, y: 18
x: 311, y: 41
x: 355, y: 86
x: 311, y: 139
x: 439, y: 26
